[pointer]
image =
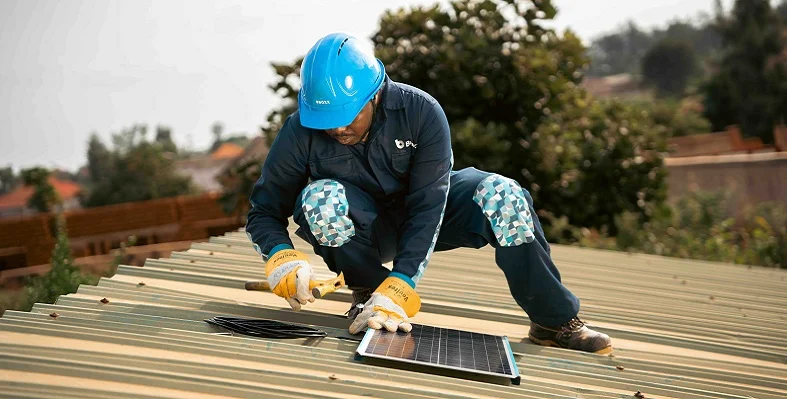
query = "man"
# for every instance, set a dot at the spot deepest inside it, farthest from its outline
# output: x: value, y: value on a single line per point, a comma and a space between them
x: 364, y: 169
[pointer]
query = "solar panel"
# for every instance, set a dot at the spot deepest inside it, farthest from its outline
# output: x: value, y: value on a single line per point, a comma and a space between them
x: 443, y: 348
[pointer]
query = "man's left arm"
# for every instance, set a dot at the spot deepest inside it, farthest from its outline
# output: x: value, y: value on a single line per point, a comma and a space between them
x: 428, y: 192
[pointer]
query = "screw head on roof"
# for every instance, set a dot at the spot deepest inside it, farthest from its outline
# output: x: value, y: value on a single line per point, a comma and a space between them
x: 105, y: 300
x: 619, y: 367
x: 639, y: 395
x: 54, y: 315
x: 211, y: 253
x: 141, y: 283
x: 192, y: 261
x: 333, y: 377
x: 712, y: 298
x: 683, y: 282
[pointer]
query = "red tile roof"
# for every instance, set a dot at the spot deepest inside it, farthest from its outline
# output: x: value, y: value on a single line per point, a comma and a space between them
x: 226, y: 151
x: 19, y: 197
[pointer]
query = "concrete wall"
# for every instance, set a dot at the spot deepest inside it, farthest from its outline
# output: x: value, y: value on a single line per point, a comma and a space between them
x: 750, y: 178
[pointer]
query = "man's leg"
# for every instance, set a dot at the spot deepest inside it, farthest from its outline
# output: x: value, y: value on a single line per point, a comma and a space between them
x: 485, y: 208
x: 343, y: 225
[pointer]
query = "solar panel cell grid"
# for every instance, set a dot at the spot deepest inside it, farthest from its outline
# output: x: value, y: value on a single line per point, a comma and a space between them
x: 487, y: 354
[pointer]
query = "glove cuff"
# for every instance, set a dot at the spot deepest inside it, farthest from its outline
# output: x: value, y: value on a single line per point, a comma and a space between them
x: 402, y: 294
x: 283, y: 256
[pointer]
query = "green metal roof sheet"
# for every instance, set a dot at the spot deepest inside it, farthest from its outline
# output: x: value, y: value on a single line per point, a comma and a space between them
x: 681, y: 329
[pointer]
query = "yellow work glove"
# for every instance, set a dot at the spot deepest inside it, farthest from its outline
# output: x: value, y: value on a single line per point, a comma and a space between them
x: 390, y: 306
x: 289, y: 273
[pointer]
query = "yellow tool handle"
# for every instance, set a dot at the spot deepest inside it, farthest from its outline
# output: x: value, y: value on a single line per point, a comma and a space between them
x: 319, y: 288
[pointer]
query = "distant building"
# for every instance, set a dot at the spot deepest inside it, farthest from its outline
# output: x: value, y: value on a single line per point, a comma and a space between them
x: 621, y: 85
x: 203, y: 169
x: 15, y: 202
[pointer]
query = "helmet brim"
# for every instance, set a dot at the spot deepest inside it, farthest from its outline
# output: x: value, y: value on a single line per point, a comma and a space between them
x: 332, y: 118
x: 325, y: 118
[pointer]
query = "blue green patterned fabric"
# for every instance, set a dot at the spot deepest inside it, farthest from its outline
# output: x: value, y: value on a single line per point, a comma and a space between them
x: 504, y: 204
x: 324, y: 203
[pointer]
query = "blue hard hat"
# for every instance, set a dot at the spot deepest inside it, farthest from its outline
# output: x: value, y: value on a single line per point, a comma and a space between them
x: 337, y: 79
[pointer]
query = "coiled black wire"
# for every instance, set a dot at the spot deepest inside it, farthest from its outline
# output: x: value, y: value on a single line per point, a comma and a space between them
x: 265, y: 328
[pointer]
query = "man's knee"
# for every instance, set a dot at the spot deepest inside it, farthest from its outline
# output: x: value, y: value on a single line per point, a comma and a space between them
x: 322, y: 209
x: 506, y: 206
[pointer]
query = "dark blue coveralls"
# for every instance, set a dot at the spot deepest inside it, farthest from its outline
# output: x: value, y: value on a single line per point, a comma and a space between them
x: 395, y: 198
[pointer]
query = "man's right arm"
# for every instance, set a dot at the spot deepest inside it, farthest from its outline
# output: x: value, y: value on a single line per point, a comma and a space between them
x: 283, y: 176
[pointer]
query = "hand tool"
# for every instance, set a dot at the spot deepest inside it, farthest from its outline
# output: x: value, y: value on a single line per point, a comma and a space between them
x: 319, y: 288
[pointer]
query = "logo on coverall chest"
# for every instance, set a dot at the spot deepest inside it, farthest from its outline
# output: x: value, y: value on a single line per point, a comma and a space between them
x: 401, y: 144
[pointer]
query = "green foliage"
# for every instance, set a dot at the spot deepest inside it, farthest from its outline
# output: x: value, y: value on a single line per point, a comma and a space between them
x: 237, y: 184
x: 668, y: 65
x: 118, y: 255
x: 164, y: 138
x: 135, y: 170
x: 472, y: 142
x: 594, y: 160
x: 286, y: 87
x: 8, y: 180
x: 63, y: 278
x: 619, y: 52
x: 677, y: 118
x: 749, y: 87
x: 491, y: 61
x: 697, y: 227
x: 44, y: 198
x: 99, y: 160
x: 510, y: 89
x: 516, y: 108
x: 622, y: 51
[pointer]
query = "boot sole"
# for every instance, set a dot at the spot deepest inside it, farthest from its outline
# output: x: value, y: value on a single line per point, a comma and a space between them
x: 544, y: 342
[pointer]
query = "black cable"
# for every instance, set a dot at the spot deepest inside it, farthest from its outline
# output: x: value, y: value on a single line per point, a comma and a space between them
x: 265, y: 328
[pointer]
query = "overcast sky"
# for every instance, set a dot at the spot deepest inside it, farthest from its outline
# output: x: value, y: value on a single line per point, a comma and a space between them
x: 71, y: 67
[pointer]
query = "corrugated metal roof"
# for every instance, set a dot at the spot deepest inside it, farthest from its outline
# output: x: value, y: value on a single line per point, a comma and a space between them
x: 681, y: 329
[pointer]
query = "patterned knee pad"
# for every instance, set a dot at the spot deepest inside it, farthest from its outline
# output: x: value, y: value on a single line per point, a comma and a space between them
x: 503, y: 203
x: 325, y: 207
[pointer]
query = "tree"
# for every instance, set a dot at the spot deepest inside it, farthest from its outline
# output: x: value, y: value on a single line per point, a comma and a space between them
x: 8, y: 180
x: 99, y: 159
x: 668, y: 66
x: 620, y: 52
x: 601, y: 159
x: 217, y: 129
x: 750, y: 85
x: 164, y: 139
x: 284, y: 87
x: 64, y: 277
x: 500, y: 75
x: 623, y: 50
x: 44, y: 198
x: 237, y: 184
x: 135, y: 170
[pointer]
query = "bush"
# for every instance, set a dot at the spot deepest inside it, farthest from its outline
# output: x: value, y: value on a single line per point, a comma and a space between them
x: 595, y: 160
x: 678, y: 118
x: 697, y: 227
x: 63, y: 278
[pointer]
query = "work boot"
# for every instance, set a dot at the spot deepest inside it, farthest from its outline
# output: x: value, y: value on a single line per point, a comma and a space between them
x: 571, y: 335
x: 360, y: 297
